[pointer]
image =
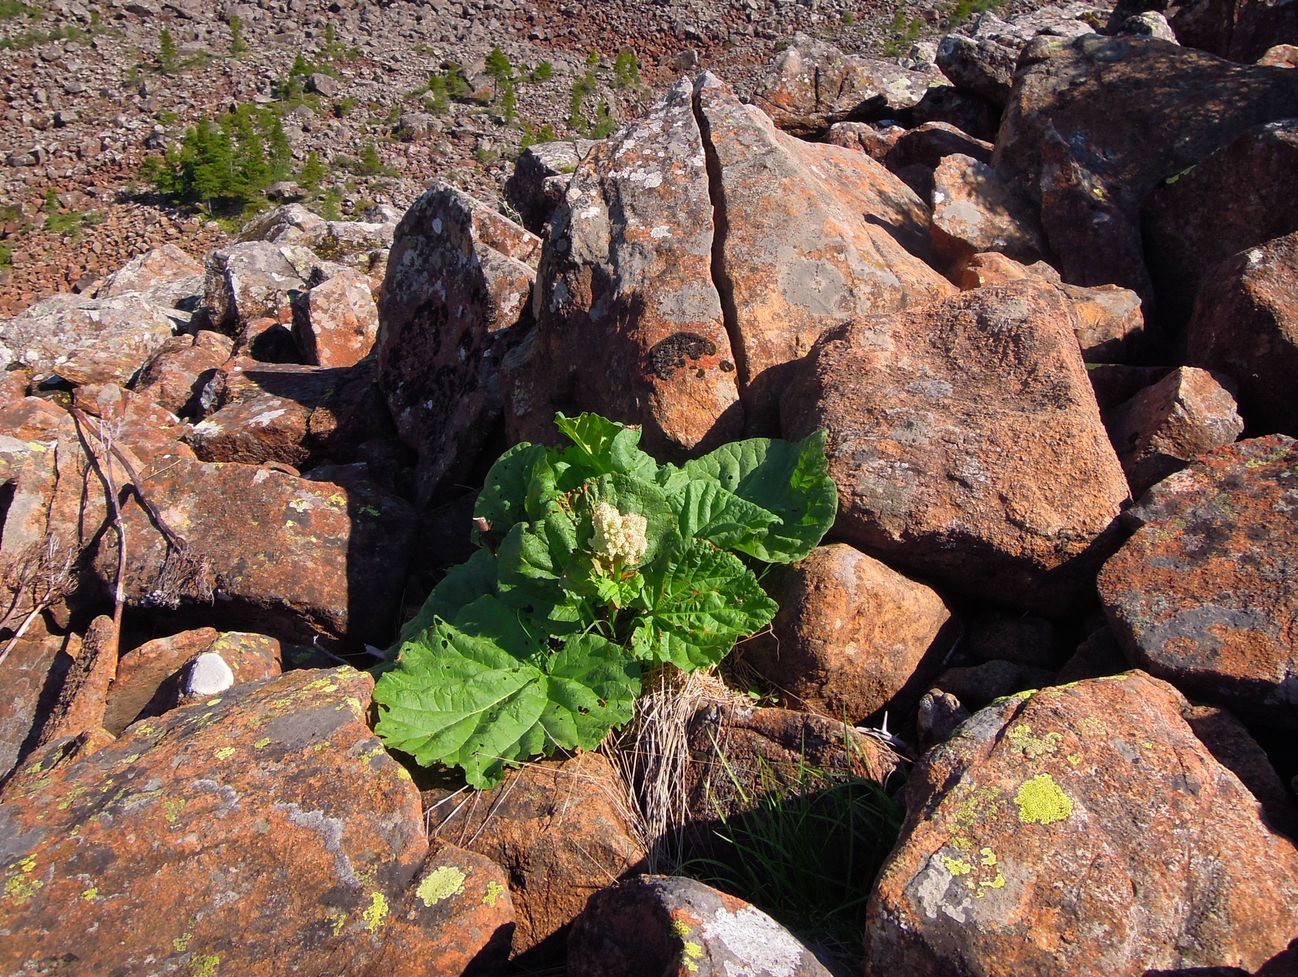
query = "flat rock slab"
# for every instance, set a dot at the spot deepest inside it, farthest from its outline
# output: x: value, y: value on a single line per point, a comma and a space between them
x: 1205, y: 594
x: 1082, y: 829
x: 966, y: 444
x: 31, y: 675
x: 87, y: 340
x: 263, y: 832
x: 668, y: 926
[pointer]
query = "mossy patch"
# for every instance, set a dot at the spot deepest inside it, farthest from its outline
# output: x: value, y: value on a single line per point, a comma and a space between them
x: 1042, y: 801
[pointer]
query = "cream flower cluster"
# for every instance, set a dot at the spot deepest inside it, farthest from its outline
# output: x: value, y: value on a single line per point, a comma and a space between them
x: 619, y: 538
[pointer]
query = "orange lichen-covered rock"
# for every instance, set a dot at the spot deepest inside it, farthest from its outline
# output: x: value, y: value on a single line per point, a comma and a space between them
x: 1081, y: 829
x: 1204, y: 594
x: 851, y: 635
x: 563, y: 830
x: 966, y: 444
x: 263, y: 832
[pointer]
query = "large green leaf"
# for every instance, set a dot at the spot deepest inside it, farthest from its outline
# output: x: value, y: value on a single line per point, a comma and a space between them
x: 543, y: 573
x: 591, y: 687
x: 486, y: 695
x: 708, y: 511
x: 786, y: 478
x: 698, y: 605
x: 504, y: 493
x: 464, y: 583
x: 601, y: 447
x: 463, y: 700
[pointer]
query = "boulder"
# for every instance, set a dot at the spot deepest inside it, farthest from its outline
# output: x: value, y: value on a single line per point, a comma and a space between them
x: 336, y: 322
x: 812, y: 84
x: 1245, y: 324
x: 1164, y: 427
x: 289, y: 413
x: 85, y: 340
x: 561, y: 829
x: 700, y: 274
x: 739, y: 753
x: 456, y: 299
x: 1198, y: 218
x: 1110, y: 323
x: 980, y: 57
x: 1204, y: 594
x: 153, y: 433
x: 852, y: 637
x: 290, y: 224
x: 31, y: 675
x: 167, y: 276
x: 666, y: 926
x: 1081, y: 829
x: 1097, y: 123
x: 540, y: 179
x: 263, y: 832
x: 974, y: 210
x: 254, y: 280
x: 966, y: 445
x: 175, y: 375
x: 157, y: 666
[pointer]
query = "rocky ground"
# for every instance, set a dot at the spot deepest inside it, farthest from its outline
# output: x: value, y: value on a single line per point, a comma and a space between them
x: 1041, y: 292
x: 86, y: 100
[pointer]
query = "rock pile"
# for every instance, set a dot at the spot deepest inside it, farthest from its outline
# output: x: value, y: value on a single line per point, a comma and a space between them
x: 1062, y: 432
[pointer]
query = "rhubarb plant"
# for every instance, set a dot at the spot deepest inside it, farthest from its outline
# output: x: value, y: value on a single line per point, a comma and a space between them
x: 595, y: 563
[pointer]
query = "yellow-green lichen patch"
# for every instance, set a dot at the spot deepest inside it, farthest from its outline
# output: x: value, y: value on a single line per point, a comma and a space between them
x: 376, y: 912
x: 90, y: 894
x: 681, y: 928
x: 262, y: 743
x: 693, y: 950
x: 956, y: 866
x: 494, y: 891
x: 225, y: 752
x: 337, y: 920
x: 171, y: 809
x: 205, y: 965
x: 1041, y: 801
x: 20, y: 889
x: 440, y: 884
x: 1029, y: 744
x: 1074, y: 758
x: 988, y: 857
x: 996, y: 883
x: 354, y: 704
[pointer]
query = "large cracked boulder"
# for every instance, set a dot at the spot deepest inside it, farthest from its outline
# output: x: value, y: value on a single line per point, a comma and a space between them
x: 1095, y: 124
x: 812, y: 84
x: 263, y: 832
x: 254, y: 280
x: 1245, y: 324
x: 698, y: 252
x: 456, y: 299
x: 1077, y: 830
x: 966, y: 444
x: 85, y: 340
x: 165, y: 275
x: 1205, y: 594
